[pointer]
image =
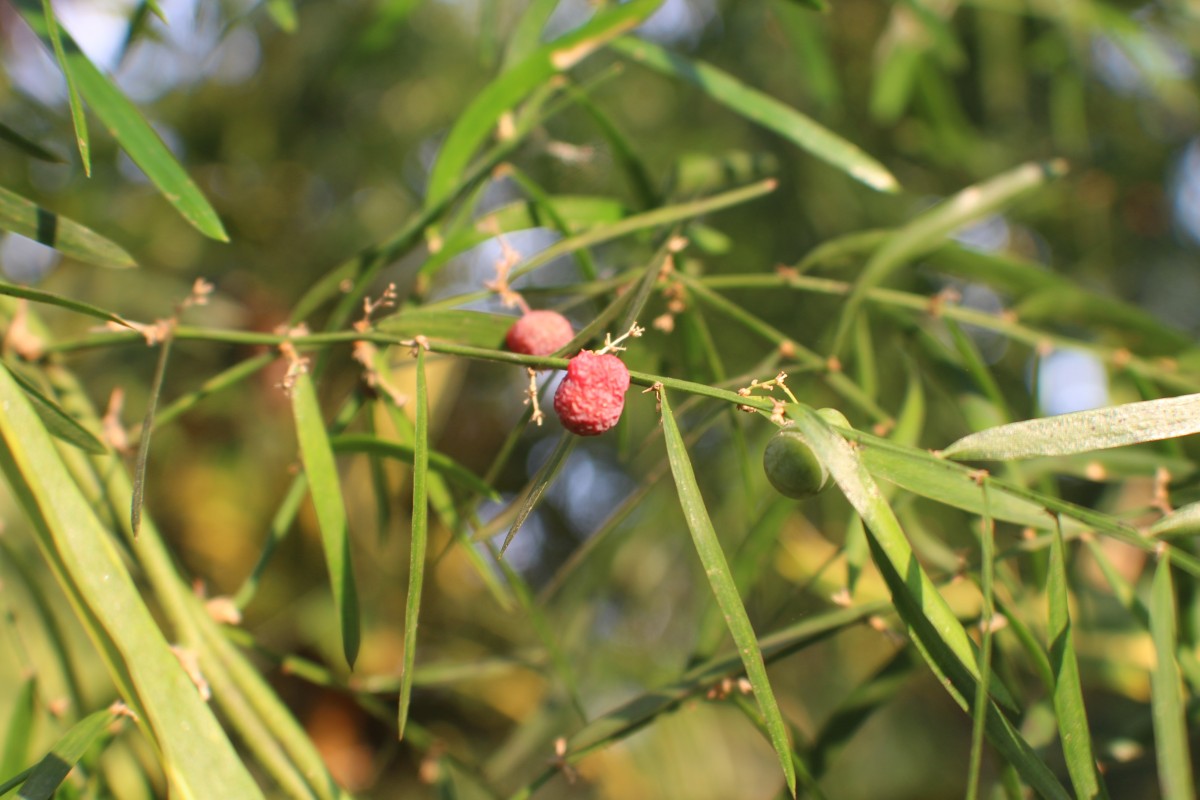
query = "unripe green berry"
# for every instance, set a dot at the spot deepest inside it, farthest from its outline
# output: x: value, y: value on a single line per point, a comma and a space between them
x: 792, y: 467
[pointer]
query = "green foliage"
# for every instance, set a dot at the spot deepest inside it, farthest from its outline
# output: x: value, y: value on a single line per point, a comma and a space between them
x: 339, y: 559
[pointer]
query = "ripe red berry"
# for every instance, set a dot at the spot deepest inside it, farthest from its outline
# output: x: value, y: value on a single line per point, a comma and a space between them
x: 590, y: 399
x: 539, y: 333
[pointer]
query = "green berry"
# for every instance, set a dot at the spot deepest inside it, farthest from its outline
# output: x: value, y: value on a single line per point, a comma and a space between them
x: 792, y: 467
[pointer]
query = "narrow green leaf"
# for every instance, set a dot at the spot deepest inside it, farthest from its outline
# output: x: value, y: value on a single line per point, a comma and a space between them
x: 752, y: 104
x: 283, y: 12
x: 38, y: 296
x: 848, y: 469
x: 28, y: 146
x: 637, y: 175
x: 1073, y: 729
x: 143, y: 452
x: 46, y: 776
x: 577, y: 212
x: 131, y: 130
x: 695, y: 174
x: 1183, y: 521
x: 930, y: 230
x: 59, y: 423
x: 541, y: 482
x: 466, y: 327
x: 69, y: 238
x: 200, y: 762
x: 939, y: 638
x: 708, y: 547
x: 475, y: 123
x: 528, y: 31
x: 19, y: 733
x: 1166, y: 693
x: 659, y: 217
x: 1083, y: 431
x: 438, y: 462
x: 910, y: 421
x: 747, y: 565
x: 14, y: 781
x: 925, y: 475
x: 420, y: 532
x: 78, y: 119
x: 981, y: 706
x: 321, y: 470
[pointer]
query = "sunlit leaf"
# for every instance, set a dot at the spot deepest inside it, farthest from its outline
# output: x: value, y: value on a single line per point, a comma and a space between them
x: 59, y: 423
x: 420, y: 533
x: 1183, y: 521
x: 542, y: 481
x: 19, y: 733
x: 466, y: 327
x: 931, y: 229
x: 1083, y: 431
x: 50, y: 772
x: 1073, y: 730
x: 935, y: 630
x: 78, y: 119
x: 476, y: 122
x: 283, y: 12
x: 131, y: 130
x: 200, y: 761
x: 322, y: 474
x: 69, y: 238
x: 752, y: 104
x: 716, y: 569
x: 1166, y: 693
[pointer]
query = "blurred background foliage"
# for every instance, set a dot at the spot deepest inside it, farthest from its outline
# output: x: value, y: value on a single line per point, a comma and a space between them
x: 315, y: 142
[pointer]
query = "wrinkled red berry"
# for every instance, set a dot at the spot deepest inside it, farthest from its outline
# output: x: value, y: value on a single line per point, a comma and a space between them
x: 539, y: 333
x: 590, y: 399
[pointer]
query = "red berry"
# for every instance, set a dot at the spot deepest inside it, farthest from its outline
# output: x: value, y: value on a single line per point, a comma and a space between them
x: 590, y: 399
x: 539, y: 333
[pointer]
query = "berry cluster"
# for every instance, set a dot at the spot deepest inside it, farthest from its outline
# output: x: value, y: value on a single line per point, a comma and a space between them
x: 591, y: 397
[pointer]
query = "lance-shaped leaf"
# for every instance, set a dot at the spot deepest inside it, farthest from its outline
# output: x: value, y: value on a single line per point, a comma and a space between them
x: 1183, y: 521
x: 19, y: 731
x: 1068, y: 688
x: 937, y: 633
x: 1083, y: 431
x: 420, y: 531
x: 69, y: 238
x: 322, y: 474
x: 59, y: 423
x: 199, y: 760
x: 78, y: 119
x: 716, y: 568
x: 453, y: 325
x: 130, y: 129
x: 752, y: 104
x: 48, y: 773
x: 931, y: 229
x: 475, y: 123
x: 1166, y: 691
